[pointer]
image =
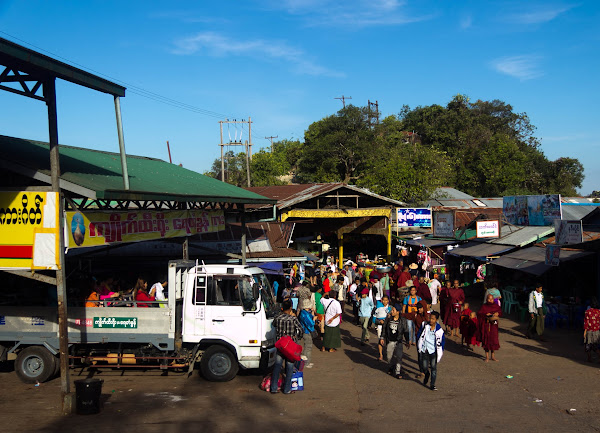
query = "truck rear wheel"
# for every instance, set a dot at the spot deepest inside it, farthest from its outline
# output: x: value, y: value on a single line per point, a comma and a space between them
x: 218, y: 364
x: 35, y: 364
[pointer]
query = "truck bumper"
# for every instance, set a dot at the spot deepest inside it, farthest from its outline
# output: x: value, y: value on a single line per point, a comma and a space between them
x: 267, y: 357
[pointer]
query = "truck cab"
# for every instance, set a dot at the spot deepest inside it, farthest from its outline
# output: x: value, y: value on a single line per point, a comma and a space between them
x: 228, y: 311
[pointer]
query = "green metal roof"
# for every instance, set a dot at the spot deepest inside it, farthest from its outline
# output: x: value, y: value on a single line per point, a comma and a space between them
x: 34, y: 62
x: 100, y: 172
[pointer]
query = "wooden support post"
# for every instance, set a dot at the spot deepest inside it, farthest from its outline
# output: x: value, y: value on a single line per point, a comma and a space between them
x: 186, y: 249
x: 63, y: 330
x: 389, y: 240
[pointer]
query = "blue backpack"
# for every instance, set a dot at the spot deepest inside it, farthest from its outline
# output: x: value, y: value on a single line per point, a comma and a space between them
x: 307, y: 322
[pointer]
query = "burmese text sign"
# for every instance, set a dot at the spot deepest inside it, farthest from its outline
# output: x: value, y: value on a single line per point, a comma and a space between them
x: 29, y: 230
x: 96, y: 228
x: 413, y: 217
x: 443, y: 224
x: 488, y: 229
x: 568, y: 232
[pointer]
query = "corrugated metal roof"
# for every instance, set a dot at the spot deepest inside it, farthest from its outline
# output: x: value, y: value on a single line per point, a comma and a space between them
x: 521, y: 236
x: 480, y: 250
x: 532, y: 260
x: 475, y: 203
x: 447, y: 192
x: 100, y: 172
x: 576, y: 212
x: 291, y: 195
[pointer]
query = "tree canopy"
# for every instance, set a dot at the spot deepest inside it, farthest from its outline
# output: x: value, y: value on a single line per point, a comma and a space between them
x: 482, y: 148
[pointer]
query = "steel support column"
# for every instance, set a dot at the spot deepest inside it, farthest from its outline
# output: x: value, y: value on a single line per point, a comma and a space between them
x: 121, y: 143
x: 63, y: 330
x: 244, y: 243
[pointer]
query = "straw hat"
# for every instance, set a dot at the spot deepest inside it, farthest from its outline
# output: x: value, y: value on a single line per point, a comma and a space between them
x: 413, y: 266
x: 409, y: 283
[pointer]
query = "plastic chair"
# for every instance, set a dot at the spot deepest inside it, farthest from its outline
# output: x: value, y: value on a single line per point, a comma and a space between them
x: 553, y: 316
x: 522, y: 312
x: 579, y: 317
x: 509, y: 301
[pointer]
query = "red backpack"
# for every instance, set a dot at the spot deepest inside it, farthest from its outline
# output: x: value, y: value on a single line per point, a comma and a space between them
x: 288, y: 348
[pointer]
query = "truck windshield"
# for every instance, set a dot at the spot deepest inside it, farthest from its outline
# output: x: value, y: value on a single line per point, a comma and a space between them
x: 266, y: 291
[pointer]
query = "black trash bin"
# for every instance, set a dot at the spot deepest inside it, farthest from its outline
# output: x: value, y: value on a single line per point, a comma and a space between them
x: 87, y: 395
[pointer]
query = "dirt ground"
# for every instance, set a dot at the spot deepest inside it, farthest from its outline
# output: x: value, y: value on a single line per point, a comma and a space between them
x: 347, y: 391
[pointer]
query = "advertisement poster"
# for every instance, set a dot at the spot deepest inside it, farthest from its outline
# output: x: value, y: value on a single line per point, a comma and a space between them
x: 515, y: 211
x: 419, y: 217
x: 552, y: 255
x: 443, y: 224
x: 568, y: 232
x: 532, y: 210
x: 29, y: 230
x: 94, y: 228
x: 488, y: 229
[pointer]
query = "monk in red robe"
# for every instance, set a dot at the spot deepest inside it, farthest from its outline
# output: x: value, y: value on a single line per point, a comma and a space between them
x: 487, y: 320
x: 465, y: 317
x: 456, y: 297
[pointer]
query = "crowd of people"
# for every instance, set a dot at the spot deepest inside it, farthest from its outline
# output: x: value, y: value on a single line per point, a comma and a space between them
x: 108, y: 292
x: 404, y: 309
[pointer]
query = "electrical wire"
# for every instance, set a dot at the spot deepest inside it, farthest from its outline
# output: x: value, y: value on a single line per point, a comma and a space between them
x: 137, y: 90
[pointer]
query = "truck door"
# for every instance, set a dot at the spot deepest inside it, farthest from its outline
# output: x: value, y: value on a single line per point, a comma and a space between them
x: 195, y: 311
x: 232, y: 308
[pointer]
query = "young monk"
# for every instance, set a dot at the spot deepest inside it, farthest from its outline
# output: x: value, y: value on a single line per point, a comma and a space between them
x: 465, y: 317
x: 487, y: 320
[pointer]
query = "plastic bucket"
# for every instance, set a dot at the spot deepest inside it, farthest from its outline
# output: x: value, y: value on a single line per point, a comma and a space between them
x: 87, y: 395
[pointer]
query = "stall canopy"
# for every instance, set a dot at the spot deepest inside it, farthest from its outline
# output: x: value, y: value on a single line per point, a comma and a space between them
x: 532, y: 260
x: 521, y: 236
x: 430, y: 243
x: 480, y: 250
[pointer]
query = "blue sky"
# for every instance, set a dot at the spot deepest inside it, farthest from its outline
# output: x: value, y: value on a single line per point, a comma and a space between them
x: 283, y: 62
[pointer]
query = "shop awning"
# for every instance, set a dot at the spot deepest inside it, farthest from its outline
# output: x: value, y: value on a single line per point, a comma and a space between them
x: 480, y: 250
x: 532, y: 260
x: 430, y: 243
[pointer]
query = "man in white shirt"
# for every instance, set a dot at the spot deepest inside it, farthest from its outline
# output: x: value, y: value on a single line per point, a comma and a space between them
x: 434, y: 288
x: 536, y: 311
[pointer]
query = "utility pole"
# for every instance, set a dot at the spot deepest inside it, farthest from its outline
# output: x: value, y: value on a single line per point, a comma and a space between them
x: 371, y: 115
x: 343, y: 99
x: 247, y: 144
x: 271, y: 138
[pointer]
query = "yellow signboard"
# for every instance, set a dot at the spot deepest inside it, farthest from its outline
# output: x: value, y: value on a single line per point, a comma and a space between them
x: 94, y: 228
x: 29, y: 230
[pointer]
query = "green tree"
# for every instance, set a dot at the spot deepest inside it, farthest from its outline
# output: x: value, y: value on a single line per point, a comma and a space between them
x: 337, y: 147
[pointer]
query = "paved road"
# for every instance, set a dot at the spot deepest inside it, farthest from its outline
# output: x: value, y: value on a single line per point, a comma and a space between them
x: 347, y: 391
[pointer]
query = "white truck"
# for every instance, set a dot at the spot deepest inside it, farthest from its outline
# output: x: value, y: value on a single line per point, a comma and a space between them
x: 218, y: 315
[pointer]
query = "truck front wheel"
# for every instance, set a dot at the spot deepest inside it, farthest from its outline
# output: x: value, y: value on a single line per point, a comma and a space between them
x: 35, y: 364
x: 218, y: 364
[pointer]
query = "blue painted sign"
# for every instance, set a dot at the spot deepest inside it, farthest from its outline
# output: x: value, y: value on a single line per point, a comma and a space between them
x: 417, y: 217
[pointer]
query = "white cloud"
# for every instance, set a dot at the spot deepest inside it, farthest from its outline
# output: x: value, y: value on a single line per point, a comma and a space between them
x: 216, y: 44
x: 350, y: 13
x: 539, y: 15
x: 521, y: 67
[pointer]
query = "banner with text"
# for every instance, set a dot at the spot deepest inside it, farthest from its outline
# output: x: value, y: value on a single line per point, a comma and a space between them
x: 532, y: 210
x: 94, y: 228
x: 419, y: 217
x: 29, y: 230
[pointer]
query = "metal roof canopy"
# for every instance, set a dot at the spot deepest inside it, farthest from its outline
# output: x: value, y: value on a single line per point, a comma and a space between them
x: 479, y: 250
x: 95, y: 177
x: 532, y: 260
x: 39, y: 66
